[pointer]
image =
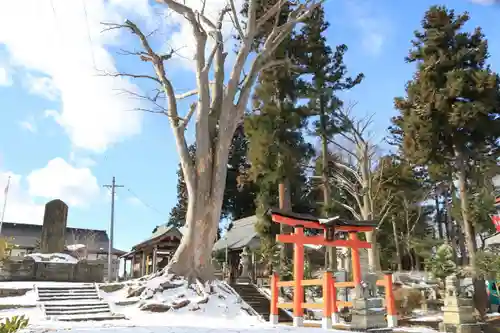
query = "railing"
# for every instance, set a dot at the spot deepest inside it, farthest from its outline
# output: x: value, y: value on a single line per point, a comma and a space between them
x: 330, y: 305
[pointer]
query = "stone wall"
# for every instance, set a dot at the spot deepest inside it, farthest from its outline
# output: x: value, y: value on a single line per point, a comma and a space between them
x: 30, y: 270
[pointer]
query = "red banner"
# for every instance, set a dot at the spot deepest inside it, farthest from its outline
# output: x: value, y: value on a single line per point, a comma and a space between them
x: 496, y: 221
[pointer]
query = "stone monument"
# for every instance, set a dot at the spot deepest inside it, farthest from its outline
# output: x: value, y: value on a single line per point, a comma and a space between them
x: 368, y: 312
x: 245, y: 261
x: 458, y: 312
x: 54, y: 227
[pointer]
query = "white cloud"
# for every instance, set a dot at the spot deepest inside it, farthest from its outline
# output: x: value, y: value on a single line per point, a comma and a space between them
x: 485, y: 2
x: 373, y: 29
x: 182, y: 39
x: 29, y: 125
x: 20, y: 206
x: 134, y: 201
x: 42, y: 86
x: 60, y: 180
x: 81, y: 161
x: 51, y: 39
x: 4, y: 77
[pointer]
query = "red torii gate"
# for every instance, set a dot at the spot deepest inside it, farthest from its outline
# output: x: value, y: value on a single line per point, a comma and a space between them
x: 299, y: 239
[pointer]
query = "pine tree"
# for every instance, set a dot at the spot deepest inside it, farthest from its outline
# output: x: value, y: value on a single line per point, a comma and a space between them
x: 450, y: 114
x: 441, y: 264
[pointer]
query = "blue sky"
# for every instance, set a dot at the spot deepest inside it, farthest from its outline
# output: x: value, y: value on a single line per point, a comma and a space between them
x: 65, y: 131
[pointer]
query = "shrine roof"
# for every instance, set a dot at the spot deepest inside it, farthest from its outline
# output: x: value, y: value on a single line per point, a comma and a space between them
x: 240, y: 235
x: 320, y: 222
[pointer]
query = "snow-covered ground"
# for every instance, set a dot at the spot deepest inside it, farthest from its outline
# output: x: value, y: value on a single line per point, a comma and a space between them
x: 224, y: 312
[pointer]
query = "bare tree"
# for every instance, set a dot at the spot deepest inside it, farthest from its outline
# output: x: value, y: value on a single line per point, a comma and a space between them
x: 222, y: 100
x: 360, y: 174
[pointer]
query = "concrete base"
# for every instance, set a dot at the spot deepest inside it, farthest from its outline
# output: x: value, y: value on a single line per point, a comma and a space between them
x: 274, y: 319
x: 461, y: 328
x: 392, y: 321
x: 326, y: 323
x: 298, y: 321
x: 335, y: 318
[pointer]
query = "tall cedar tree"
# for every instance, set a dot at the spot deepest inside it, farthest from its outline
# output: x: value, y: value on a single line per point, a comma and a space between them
x: 329, y: 76
x: 451, y: 111
x: 239, y: 202
x: 277, y: 150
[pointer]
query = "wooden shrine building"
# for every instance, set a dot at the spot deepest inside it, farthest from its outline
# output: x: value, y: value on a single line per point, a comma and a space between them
x: 154, y: 253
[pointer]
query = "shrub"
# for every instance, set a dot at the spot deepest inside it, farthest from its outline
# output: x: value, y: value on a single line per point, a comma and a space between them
x: 14, y: 324
x: 407, y: 299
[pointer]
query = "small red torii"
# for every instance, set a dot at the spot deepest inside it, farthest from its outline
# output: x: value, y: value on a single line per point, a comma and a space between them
x: 330, y: 227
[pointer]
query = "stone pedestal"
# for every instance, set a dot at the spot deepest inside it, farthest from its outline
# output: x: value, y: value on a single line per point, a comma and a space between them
x: 458, y: 312
x: 54, y: 227
x: 368, y: 314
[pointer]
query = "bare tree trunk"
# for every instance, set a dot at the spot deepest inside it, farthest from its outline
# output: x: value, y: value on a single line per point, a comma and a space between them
x: 417, y: 262
x: 439, y: 223
x: 399, y: 257
x: 285, y: 203
x: 480, y: 297
x: 331, y: 253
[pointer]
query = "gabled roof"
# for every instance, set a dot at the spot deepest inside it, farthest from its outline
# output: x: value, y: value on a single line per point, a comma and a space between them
x: 158, y: 234
x: 240, y: 235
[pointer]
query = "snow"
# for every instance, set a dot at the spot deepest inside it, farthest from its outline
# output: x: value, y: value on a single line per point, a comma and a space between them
x: 75, y: 247
x: 224, y: 312
x: 53, y: 257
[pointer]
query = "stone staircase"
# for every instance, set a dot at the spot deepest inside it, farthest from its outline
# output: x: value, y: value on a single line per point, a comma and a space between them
x: 259, y: 302
x: 74, y: 302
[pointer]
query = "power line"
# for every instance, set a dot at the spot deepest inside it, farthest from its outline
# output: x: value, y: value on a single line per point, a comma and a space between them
x: 145, y: 204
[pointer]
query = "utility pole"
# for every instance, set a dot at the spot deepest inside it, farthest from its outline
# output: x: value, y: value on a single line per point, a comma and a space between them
x: 113, y: 187
x: 6, y: 194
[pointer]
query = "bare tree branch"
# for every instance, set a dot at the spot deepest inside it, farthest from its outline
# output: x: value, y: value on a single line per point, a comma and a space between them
x: 235, y: 20
x: 134, y: 76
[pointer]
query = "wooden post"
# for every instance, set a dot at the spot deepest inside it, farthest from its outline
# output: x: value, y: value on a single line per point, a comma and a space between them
x: 274, y: 311
x: 143, y: 263
x: 298, y: 275
x: 392, y: 315
x: 124, y: 268
x: 356, y: 264
x: 326, y: 321
x: 132, y: 267
x: 155, y: 258
x: 335, y: 309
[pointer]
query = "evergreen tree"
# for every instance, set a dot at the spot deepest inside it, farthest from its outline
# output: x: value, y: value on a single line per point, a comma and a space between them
x: 278, y: 152
x: 328, y: 78
x: 442, y: 264
x: 177, y: 216
x: 450, y: 114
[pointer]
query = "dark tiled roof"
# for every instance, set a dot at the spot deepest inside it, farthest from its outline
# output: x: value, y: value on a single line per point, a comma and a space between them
x: 27, y: 235
x: 240, y: 235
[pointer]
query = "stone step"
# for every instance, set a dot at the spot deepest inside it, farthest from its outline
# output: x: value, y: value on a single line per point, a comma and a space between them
x: 64, y: 307
x: 67, y: 294
x: 68, y: 298
x: 55, y: 291
x: 96, y: 317
x: 74, y: 311
x: 89, y: 287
